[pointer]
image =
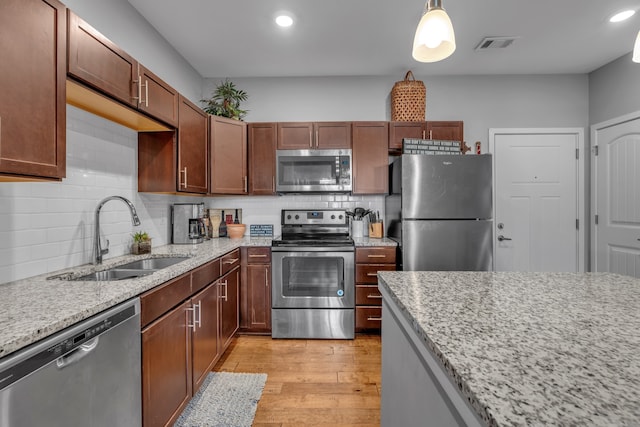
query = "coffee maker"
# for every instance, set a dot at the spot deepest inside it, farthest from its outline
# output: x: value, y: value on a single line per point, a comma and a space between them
x: 187, y: 223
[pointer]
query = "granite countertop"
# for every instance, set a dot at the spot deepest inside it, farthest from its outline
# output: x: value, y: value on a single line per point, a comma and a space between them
x: 531, y: 348
x: 34, y: 308
x: 372, y: 241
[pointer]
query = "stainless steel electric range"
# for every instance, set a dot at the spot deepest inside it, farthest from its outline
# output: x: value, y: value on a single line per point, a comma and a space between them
x: 313, y: 289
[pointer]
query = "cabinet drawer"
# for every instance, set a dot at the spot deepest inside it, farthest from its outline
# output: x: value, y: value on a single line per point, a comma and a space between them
x: 158, y: 301
x: 368, y: 295
x: 376, y: 255
x: 368, y: 273
x: 204, y: 275
x: 258, y: 255
x: 230, y: 261
x: 368, y: 318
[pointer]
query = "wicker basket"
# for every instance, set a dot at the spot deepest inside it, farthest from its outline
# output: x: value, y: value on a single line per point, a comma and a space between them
x: 408, y: 100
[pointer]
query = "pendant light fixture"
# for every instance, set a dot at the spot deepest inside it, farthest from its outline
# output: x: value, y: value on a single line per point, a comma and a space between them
x: 434, y: 39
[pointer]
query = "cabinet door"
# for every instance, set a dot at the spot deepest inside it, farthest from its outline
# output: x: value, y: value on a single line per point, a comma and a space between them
x: 370, y: 157
x: 295, y: 136
x: 156, y: 98
x: 32, y: 87
x: 98, y: 62
x: 258, y: 287
x: 447, y: 130
x: 332, y: 135
x: 193, y: 153
x: 166, y: 370
x: 228, y: 155
x: 262, y: 158
x: 400, y: 130
x: 228, y: 287
x: 205, y: 335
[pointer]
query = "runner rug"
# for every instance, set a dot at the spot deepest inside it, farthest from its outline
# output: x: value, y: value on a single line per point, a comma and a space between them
x: 226, y: 399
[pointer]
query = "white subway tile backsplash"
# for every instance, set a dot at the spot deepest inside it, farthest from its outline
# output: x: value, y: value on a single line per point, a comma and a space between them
x: 48, y: 226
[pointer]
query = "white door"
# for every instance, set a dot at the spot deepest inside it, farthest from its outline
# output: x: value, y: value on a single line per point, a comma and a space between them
x: 537, y: 186
x: 617, y: 198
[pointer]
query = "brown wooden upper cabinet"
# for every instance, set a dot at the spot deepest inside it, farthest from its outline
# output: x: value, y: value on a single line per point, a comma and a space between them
x: 228, y: 156
x: 370, y: 157
x: 177, y: 160
x: 32, y: 87
x: 443, y: 130
x: 100, y: 64
x: 193, y: 148
x: 262, y: 158
x: 313, y: 135
x: 157, y: 98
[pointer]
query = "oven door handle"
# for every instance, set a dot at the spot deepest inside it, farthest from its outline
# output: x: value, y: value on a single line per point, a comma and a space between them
x: 312, y: 249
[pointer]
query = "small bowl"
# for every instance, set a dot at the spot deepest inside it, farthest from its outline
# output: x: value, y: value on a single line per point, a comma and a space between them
x: 236, y: 231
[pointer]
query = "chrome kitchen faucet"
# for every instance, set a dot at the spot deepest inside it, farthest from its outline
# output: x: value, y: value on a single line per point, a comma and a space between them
x: 97, y: 247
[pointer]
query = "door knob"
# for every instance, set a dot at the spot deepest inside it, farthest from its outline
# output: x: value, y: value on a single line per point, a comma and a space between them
x: 501, y: 238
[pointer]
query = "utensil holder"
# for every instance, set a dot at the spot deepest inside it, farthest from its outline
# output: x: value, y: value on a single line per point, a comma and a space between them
x: 375, y: 230
x: 357, y: 228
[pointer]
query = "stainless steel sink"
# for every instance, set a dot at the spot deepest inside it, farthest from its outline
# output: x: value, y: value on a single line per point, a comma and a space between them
x: 152, y: 263
x: 132, y: 269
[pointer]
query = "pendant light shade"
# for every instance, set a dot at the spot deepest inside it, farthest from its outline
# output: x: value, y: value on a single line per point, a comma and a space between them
x: 434, y: 39
x: 636, y: 49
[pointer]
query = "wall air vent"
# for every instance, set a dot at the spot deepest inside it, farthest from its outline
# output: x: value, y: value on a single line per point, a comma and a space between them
x: 495, y: 43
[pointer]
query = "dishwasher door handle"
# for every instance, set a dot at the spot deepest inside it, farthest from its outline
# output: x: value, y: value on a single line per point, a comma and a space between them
x: 77, y: 354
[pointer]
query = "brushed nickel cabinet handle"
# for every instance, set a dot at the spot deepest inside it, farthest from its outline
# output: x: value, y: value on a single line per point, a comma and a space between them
x: 257, y: 256
x: 372, y: 274
x: 184, y: 171
x: 374, y: 319
x: 193, y: 318
x: 376, y: 256
x: 266, y: 278
x: 374, y: 296
x: 224, y: 297
x: 146, y: 93
x: 230, y: 261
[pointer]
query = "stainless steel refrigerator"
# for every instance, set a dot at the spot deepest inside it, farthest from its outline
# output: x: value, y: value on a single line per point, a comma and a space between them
x: 440, y: 212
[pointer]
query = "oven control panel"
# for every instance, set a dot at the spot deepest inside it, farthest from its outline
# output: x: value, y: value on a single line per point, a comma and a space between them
x: 314, y: 217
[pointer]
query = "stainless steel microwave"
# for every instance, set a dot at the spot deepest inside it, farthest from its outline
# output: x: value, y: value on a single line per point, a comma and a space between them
x: 313, y: 171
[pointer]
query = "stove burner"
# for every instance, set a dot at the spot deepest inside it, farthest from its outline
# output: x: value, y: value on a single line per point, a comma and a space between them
x: 314, y: 228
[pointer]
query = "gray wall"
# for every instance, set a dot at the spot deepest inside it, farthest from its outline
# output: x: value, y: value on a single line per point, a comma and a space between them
x: 482, y: 102
x: 614, y: 90
x: 122, y: 24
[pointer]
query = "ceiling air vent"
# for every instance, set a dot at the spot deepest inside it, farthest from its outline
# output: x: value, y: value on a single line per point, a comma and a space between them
x: 495, y: 43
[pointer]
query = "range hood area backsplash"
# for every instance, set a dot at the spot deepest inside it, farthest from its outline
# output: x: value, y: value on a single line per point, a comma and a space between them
x: 48, y: 226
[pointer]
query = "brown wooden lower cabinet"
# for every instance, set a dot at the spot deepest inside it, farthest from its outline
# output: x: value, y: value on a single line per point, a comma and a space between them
x: 229, y: 288
x: 205, y: 342
x: 370, y: 260
x: 187, y: 325
x: 166, y: 365
x: 255, y: 306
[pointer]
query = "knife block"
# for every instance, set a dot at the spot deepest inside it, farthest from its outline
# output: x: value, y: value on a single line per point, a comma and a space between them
x: 375, y: 230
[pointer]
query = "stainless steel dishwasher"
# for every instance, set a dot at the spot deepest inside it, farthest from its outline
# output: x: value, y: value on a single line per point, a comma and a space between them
x: 85, y: 375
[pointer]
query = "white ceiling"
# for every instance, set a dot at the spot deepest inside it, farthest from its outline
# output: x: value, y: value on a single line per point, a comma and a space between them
x: 237, y: 38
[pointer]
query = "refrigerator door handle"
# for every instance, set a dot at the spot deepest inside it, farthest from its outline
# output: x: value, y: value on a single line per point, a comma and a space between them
x: 502, y: 238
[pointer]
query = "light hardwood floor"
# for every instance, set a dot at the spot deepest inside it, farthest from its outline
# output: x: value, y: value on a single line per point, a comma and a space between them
x: 311, y: 382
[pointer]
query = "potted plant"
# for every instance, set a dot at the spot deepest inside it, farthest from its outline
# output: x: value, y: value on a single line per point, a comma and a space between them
x: 225, y: 101
x: 141, y: 243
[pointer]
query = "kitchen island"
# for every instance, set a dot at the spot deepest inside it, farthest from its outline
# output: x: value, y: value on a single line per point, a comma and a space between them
x: 503, y: 349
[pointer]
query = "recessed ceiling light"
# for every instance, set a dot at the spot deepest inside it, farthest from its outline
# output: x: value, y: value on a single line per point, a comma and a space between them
x: 284, y: 20
x: 621, y: 16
